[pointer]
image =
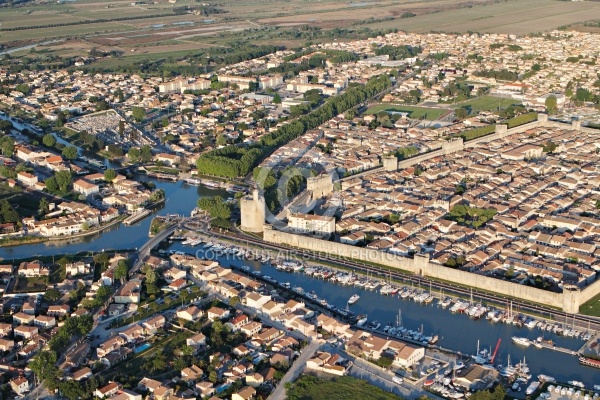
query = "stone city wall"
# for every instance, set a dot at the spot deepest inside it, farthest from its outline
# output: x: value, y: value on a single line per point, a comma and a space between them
x: 420, y: 265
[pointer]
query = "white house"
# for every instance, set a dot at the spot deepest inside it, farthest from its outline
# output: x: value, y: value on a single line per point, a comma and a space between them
x: 84, y: 187
x: 27, y: 179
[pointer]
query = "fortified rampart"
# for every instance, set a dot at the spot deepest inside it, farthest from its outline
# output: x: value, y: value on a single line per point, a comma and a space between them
x: 568, y: 301
x: 502, y: 131
x: 320, y: 186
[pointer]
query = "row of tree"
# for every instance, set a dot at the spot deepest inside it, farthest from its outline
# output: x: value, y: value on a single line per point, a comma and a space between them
x: 44, y: 363
x: 142, y: 154
x: 398, y: 52
x: 233, y: 161
x: 501, y: 75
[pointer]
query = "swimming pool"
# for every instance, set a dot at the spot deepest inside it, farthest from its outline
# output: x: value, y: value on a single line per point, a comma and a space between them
x: 141, y: 348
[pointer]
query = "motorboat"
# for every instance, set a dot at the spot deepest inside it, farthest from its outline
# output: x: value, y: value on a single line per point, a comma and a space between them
x: 458, y: 365
x: 532, y: 387
x: 547, y: 378
x: 577, y: 384
x: 362, y: 321
x: 374, y: 325
x: 521, y: 341
x: 353, y: 299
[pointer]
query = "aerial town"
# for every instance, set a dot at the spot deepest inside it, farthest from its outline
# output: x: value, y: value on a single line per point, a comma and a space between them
x: 369, y: 209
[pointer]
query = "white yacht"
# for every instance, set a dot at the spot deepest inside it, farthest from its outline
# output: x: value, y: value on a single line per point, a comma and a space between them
x: 521, y: 341
x: 353, y: 299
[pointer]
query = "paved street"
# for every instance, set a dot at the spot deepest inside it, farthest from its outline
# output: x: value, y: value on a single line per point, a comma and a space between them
x: 297, y: 368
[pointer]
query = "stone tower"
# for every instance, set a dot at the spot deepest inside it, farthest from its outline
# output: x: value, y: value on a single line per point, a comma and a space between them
x: 321, y: 185
x: 252, y: 208
x: 390, y: 163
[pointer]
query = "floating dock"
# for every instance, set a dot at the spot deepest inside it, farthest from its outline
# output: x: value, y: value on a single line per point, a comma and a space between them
x: 133, y: 218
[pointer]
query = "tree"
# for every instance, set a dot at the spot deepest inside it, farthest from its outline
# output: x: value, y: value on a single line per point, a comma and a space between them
x: 179, y: 364
x: 549, y: 146
x: 72, y: 390
x: 70, y: 152
x: 134, y: 155
x: 52, y: 295
x: 151, y: 275
x: 110, y: 175
x: 165, y: 122
x: 216, y: 207
x: 5, y: 126
x: 102, y: 259
x: 51, y: 185
x: 234, y: 301
x: 121, y: 270
x: 43, y: 206
x: 43, y: 365
x: 138, y: 113
x: 461, y: 113
x: 157, y: 195
x: 277, y: 99
x: 551, y: 104
x: 49, y: 140
x: 510, y: 272
x: 221, y: 140
x: 63, y: 180
x: 8, y: 146
x: 184, y: 296
x: 146, y: 153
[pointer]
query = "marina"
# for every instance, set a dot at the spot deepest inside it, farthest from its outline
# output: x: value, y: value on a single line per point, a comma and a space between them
x: 456, y: 331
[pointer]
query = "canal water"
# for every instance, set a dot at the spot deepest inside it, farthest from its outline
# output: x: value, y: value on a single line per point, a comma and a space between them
x: 456, y: 331
x: 181, y: 199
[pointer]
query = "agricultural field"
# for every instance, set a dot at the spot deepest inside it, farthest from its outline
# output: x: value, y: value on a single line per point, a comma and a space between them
x: 517, y: 17
x: 486, y: 103
x: 430, y: 114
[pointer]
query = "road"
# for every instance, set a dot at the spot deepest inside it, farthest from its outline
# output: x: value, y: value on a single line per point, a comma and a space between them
x: 153, y: 242
x: 295, y: 370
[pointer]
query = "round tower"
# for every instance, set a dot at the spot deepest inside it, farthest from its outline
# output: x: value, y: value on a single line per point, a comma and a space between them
x: 252, y: 210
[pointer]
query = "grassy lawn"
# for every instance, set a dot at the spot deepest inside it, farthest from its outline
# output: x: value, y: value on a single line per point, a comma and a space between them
x: 166, y: 170
x: 591, y: 307
x: 413, y: 112
x: 33, y: 284
x: 486, y: 103
x: 309, y: 387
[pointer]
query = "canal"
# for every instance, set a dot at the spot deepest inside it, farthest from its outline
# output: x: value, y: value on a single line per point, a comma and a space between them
x: 456, y: 331
x: 181, y: 199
